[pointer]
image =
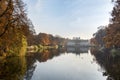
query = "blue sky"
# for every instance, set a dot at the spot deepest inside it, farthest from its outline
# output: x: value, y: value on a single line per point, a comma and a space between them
x: 69, y: 18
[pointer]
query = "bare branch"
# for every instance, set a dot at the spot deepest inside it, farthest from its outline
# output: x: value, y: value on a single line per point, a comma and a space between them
x: 9, y: 3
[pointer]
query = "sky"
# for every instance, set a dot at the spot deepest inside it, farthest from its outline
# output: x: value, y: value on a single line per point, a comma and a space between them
x: 68, y: 18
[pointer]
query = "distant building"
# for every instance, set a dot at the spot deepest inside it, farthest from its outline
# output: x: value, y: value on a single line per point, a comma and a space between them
x: 77, y: 42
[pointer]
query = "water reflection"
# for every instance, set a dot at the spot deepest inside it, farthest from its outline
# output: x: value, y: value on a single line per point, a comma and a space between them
x: 44, y: 55
x: 12, y: 68
x: 40, y: 56
x: 63, y: 64
x: 77, y: 50
x: 30, y: 67
x: 110, y: 65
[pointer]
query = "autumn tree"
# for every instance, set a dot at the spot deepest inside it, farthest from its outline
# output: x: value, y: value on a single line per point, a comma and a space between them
x: 48, y: 39
x: 112, y: 38
x: 6, y: 11
x: 15, y: 26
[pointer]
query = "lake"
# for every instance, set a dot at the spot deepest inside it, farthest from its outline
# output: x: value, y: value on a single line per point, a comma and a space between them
x: 65, y: 64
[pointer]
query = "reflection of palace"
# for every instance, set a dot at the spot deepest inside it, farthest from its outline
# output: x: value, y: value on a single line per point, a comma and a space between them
x: 77, y: 50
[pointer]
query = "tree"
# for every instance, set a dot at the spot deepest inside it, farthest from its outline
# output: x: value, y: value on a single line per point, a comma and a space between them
x: 15, y: 26
x: 98, y: 36
x: 6, y: 11
x: 112, y: 38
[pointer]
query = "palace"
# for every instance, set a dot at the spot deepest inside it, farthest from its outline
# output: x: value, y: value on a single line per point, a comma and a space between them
x: 77, y: 42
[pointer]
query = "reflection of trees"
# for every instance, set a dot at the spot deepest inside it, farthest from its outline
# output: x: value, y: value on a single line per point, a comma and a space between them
x: 12, y: 68
x: 109, y: 63
x: 47, y: 54
x: 41, y: 57
x: 30, y: 67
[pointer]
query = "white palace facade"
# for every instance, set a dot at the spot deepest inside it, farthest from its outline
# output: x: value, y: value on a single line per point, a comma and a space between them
x: 77, y: 42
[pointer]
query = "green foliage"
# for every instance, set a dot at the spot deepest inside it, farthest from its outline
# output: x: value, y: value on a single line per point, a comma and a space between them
x: 20, y: 50
x: 40, y: 46
x: 23, y: 47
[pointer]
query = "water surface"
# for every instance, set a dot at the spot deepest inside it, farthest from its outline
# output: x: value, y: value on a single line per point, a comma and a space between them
x: 67, y: 64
